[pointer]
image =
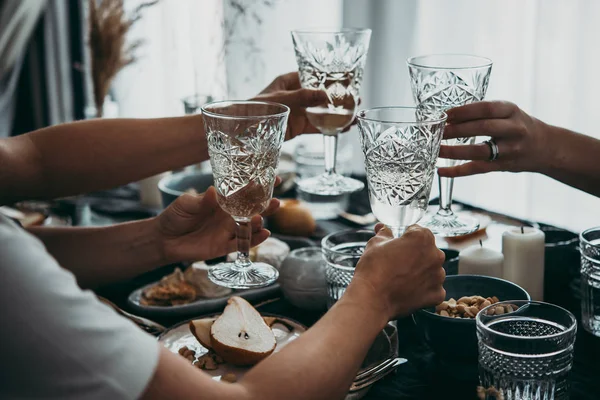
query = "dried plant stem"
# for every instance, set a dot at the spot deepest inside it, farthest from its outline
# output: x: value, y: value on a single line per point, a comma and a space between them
x: 108, y: 28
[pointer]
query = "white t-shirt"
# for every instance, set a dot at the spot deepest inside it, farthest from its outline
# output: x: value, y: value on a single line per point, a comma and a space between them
x: 58, y: 341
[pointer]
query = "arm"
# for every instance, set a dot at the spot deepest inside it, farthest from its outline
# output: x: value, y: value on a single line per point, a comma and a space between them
x: 320, y: 364
x: 394, y: 277
x: 107, y: 254
x: 85, y: 156
x: 193, y: 227
x: 524, y: 144
x: 574, y: 160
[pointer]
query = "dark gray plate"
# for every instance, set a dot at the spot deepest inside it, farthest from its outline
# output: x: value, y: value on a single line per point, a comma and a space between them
x: 198, y: 307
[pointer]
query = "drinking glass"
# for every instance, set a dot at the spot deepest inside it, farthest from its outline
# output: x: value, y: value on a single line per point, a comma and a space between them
x: 244, y: 144
x: 401, y: 146
x: 527, y: 353
x: 589, y: 245
x: 332, y: 61
x: 443, y: 81
x: 341, y: 251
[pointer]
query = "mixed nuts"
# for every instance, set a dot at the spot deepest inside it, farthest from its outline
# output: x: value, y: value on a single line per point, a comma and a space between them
x: 208, y: 361
x: 469, y: 306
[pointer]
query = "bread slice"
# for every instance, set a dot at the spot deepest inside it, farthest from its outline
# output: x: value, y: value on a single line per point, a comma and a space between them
x: 240, y: 335
x: 200, y: 328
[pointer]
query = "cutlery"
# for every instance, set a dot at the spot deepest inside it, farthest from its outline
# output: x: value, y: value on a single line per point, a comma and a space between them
x: 147, y: 325
x: 373, y: 374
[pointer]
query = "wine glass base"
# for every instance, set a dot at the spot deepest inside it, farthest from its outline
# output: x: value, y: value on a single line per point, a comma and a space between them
x: 229, y: 274
x: 450, y: 225
x: 330, y: 185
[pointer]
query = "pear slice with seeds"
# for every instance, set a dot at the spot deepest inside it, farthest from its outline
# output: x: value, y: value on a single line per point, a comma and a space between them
x: 240, y: 335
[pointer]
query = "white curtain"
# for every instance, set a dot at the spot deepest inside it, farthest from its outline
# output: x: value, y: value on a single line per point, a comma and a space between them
x: 224, y: 48
x: 545, y: 60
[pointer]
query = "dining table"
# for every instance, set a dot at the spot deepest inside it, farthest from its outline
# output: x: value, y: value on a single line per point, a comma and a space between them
x: 425, y: 375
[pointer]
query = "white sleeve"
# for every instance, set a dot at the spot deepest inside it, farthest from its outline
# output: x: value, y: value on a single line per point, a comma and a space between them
x: 58, y: 341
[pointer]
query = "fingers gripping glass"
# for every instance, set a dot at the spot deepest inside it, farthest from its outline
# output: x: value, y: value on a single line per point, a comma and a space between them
x: 244, y: 144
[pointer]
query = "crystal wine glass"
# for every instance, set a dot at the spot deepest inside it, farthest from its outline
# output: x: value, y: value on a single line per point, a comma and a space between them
x: 443, y: 81
x: 244, y: 144
x: 332, y: 61
x: 401, y: 146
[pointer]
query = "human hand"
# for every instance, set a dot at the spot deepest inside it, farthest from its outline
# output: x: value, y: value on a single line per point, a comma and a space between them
x: 399, y: 276
x: 286, y: 89
x: 519, y: 138
x: 194, y: 227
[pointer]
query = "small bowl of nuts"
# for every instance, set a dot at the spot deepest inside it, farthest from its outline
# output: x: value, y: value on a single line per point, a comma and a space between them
x: 449, y: 328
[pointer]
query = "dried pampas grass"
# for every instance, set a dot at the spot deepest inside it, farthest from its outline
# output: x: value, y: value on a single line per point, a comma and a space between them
x: 108, y: 28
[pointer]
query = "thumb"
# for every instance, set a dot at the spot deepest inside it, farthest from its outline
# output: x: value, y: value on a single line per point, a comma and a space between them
x: 192, y: 204
x: 304, y: 98
x: 383, y: 231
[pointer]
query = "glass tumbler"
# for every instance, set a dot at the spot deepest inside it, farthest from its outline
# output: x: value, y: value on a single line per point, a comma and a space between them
x: 526, y: 353
x: 589, y: 245
x: 341, y: 251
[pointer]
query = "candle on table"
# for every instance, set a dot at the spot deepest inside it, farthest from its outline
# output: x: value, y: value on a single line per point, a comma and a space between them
x: 479, y: 260
x: 523, y: 250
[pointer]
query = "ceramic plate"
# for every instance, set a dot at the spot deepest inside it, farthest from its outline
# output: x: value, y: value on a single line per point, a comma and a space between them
x: 180, y: 335
x: 384, y: 346
x: 197, y: 307
x: 206, y: 306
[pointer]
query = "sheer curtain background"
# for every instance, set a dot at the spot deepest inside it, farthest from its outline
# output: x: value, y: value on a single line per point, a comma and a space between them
x: 544, y: 57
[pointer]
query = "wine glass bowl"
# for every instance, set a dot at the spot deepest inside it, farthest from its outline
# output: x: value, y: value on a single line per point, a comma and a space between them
x: 440, y: 82
x: 244, y: 143
x: 401, y: 146
x: 332, y: 61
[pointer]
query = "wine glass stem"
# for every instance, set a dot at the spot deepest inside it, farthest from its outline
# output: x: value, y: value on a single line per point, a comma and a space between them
x: 446, y: 186
x: 330, y: 146
x: 397, y: 232
x: 244, y: 235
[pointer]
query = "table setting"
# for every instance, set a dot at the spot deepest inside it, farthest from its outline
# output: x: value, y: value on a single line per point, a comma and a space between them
x: 521, y: 318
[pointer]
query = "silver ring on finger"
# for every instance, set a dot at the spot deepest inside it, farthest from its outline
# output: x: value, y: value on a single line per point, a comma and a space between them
x: 493, y: 149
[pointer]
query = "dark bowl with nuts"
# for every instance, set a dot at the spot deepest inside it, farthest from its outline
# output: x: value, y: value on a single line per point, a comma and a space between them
x: 449, y: 328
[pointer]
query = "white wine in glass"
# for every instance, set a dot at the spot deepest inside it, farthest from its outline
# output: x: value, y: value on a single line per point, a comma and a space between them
x: 332, y: 61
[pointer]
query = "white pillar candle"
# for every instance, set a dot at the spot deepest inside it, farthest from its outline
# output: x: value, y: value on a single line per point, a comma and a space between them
x: 479, y: 260
x: 523, y: 250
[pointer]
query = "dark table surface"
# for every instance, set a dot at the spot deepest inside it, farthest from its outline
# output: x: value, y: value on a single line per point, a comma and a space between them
x: 424, y: 376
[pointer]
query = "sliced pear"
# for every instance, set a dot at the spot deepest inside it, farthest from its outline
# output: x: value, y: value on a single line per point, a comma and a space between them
x: 200, y: 328
x: 240, y: 335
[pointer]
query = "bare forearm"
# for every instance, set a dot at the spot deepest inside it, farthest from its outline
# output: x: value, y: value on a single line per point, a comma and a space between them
x: 322, y: 363
x: 85, y: 156
x: 106, y: 254
x: 573, y: 159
